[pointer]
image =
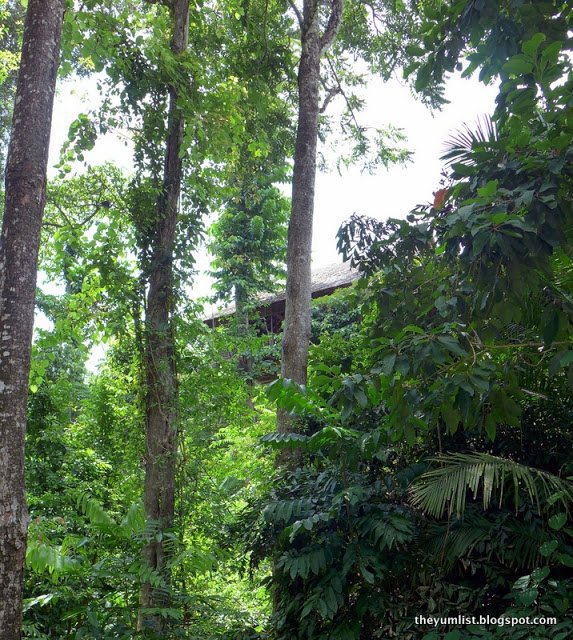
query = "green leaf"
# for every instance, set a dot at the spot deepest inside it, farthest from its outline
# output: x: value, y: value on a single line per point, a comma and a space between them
x: 566, y: 559
x: 366, y: 574
x: 566, y: 359
x: 558, y: 521
x: 360, y: 397
x: 527, y: 598
x: 293, y: 569
x: 522, y: 583
x: 387, y: 364
x: 445, y: 488
x: 490, y: 426
x: 452, y: 345
x: 489, y: 189
x: 518, y: 65
x: 547, y: 548
x: 415, y: 50
x: 550, y: 326
x: 570, y: 376
x: 452, y: 418
x: 530, y: 47
x: 540, y: 573
x: 551, y: 53
x: 423, y: 78
x: 38, y: 600
x: 331, y: 601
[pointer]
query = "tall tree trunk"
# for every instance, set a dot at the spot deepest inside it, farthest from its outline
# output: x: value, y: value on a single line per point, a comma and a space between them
x: 296, y: 334
x: 19, y: 244
x: 160, y: 368
x: 298, y: 290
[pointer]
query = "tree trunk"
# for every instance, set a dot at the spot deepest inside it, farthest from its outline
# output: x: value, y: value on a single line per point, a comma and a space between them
x: 160, y: 367
x: 298, y: 289
x: 296, y: 334
x: 19, y: 243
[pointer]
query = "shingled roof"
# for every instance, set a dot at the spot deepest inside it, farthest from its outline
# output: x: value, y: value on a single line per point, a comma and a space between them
x: 325, y: 280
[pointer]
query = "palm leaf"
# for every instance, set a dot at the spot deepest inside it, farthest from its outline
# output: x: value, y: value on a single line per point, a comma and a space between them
x: 450, y: 543
x: 445, y: 489
x: 515, y: 543
x: 467, y: 145
x: 521, y: 549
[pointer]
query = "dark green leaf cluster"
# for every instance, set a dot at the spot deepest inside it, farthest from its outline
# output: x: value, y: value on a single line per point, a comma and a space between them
x: 447, y: 440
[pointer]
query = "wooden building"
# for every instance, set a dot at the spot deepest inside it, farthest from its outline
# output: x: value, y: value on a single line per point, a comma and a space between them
x: 271, y: 308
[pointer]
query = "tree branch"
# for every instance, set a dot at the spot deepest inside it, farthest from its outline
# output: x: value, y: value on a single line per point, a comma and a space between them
x: 297, y: 13
x: 343, y: 94
x: 375, y: 17
x: 334, y: 20
x: 331, y: 93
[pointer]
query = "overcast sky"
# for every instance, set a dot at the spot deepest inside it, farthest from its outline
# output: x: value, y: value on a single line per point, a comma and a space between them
x: 391, y: 193
x: 395, y: 192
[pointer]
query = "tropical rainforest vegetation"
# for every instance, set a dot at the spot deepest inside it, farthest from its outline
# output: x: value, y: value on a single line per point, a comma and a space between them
x: 412, y: 457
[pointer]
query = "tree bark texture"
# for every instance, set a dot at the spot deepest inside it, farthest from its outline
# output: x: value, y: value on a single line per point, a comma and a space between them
x: 296, y: 333
x: 160, y: 366
x: 19, y: 244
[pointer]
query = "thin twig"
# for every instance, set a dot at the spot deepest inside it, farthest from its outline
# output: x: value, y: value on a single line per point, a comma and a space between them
x: 343, y: 94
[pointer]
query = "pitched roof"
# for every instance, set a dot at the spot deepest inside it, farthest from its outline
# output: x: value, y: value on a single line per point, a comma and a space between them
x: 325, y: 280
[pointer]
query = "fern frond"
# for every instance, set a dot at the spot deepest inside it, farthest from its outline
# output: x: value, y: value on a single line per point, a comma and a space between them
x: 94, y: 511
x: 43, y: 556
x: 30, y: 631
x: 134, y: 521
x: 311, y: 560
x: 389, y: 531
x: 284, y: 440
x: 285, y: 510
x: 445, y: 489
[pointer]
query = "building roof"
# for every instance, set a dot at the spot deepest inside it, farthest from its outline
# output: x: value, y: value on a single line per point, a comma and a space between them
x: 325, y: 280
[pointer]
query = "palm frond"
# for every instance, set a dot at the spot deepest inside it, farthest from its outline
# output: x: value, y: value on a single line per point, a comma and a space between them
x: 445, y: 489
x: 467, y: 143
x: 450, y: 543
x: 514, y: 543
x: 521, y: 549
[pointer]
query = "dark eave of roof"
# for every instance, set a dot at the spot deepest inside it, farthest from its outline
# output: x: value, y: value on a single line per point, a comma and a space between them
x: 325, y: 281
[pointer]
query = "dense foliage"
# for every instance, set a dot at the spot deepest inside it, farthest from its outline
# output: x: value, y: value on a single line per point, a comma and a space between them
x: 429, y: 467
x: 436, y: 447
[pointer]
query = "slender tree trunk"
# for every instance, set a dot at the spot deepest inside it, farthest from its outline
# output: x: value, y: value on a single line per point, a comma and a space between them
x: 161, y: 375
x: 298, y: 290
x: 19, y: 244
x: 296, y: 334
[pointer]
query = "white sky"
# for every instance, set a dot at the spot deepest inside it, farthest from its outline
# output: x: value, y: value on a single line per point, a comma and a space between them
x: 394, y: 192
x: 391, y: 193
